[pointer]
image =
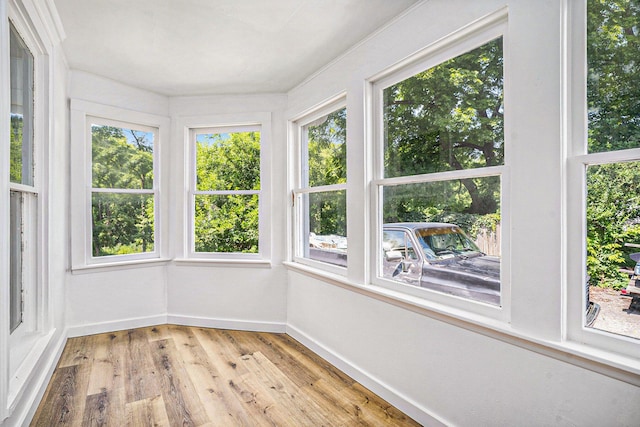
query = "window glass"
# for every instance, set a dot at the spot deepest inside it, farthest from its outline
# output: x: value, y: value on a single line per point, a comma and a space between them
x: 327, y: 149
x: 227, y: 191
x: 613, y: 48
x: 327, y: 240
x: 16, y: 256
x: 613, y: 201
x: 323, y: 215
x: 122, y: 158
x: 123, y: 198
x: 21, y: 140
x: 448, y: 118
x: 23, y: 194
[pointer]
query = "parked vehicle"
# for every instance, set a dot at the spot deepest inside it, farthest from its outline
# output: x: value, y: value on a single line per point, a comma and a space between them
x: 441, y: 257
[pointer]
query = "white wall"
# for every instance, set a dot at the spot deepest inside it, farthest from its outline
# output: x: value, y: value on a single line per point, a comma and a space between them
x: 435, y: 367
x: 26, y: 387
x: 210, y: 294
x: 231, y: 294
x: 102, y: 299
x: 427, y: 361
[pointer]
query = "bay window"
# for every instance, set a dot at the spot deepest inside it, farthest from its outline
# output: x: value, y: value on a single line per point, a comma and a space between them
x: 440, y: 171
x: 320, y: 197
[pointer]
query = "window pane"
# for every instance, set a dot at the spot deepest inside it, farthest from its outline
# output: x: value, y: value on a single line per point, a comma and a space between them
x: 122, y: 223
x: 228, y: 161
x: 449, y: 117
x: 325, y: 228
x: 226, y: 223
x: 15, y: 261
x: 326, y: 150
x: 456, y: 225
x: 613, y: 247
x: 21, y: 139
x: 122, y: 158
x: 613, y: 88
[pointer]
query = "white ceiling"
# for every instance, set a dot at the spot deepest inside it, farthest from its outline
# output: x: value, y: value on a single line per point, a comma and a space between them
x: 198, y: 47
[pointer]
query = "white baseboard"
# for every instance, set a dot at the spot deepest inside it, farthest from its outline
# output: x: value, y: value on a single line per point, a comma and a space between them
x: 240, y: 325
x: 117, y: 325
x: 176, y: 319
x: 404, y: 404
x: 26, y: 404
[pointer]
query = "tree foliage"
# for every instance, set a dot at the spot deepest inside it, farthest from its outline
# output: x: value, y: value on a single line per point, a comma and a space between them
x: 121, y: 223
x: 327, y: 165
x: 613, y: 96
x: 227, y: 223
x: 613, y: 92
x: 449, y: 117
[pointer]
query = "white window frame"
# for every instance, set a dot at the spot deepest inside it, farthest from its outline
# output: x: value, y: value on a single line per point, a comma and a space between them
x: 578, y: 159
x: 187, y: 128
x: 300, y: 218
x: 22, y: 349
x: 83, y: 115
x: 458, y: 43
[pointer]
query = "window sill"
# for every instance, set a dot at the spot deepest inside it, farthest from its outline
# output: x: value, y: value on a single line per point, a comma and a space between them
x: 112, y: 266
x: 223, y: 262
x: 607, y: 363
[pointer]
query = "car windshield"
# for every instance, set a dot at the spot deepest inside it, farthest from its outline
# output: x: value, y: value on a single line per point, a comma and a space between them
x: 445, y: 242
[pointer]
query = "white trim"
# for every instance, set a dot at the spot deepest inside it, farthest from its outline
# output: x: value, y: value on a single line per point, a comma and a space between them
x: 467, y: 38
x: 577, y: 160
x: 217, y: 323
x: 297, y: 217
x: 613, y: 365
x: 385, y: 391
x: 224, y: 262
x: 185, y: 129
x: 82, y: 115
x: 115, y: 325
x: 25, y: 405
x: 119, y: 264
x: 485, y: 172
x: 321, y: 189
x: 5, y: 129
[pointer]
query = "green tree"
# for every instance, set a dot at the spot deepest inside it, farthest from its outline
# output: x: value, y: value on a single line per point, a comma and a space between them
x: 613, y: 218
x: 15, y: 148
x: 122, y: 159
x: 227, y: 223
x: 449, y: 117
x: 613, y: 92
x: 327, y: 154
x: 613, y: 97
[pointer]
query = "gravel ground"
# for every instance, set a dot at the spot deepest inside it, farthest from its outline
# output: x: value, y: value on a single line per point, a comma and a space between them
x: 618, y: 314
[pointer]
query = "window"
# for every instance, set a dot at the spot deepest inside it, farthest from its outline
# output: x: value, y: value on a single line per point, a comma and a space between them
x: 116, y: 181
x: 24, y: 189
x: 607, y: 167
x: 225, y: 190
x: 440, y: 173
x: 320, y: 192
x: 123, y: 190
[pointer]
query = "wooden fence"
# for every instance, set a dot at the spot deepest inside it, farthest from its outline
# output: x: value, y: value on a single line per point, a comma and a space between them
x: 489, y: 241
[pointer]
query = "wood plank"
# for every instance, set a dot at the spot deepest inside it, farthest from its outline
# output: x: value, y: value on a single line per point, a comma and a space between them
x: 141, y: 378
x: 106, y: 399
x: 178, y: 392
x: 177, y: 375
x: 289, y: 400
x: 209, y: 384
x: 147, y: 412
x: 60, y: 404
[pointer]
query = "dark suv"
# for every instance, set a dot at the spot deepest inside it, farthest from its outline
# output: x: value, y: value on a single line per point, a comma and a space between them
x: 440, y: 257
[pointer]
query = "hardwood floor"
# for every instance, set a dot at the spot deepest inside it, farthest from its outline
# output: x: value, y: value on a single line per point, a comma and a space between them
x: 188, y: 376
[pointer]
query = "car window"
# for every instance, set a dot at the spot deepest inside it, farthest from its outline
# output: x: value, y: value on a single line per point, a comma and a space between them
x: 398, y: 240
